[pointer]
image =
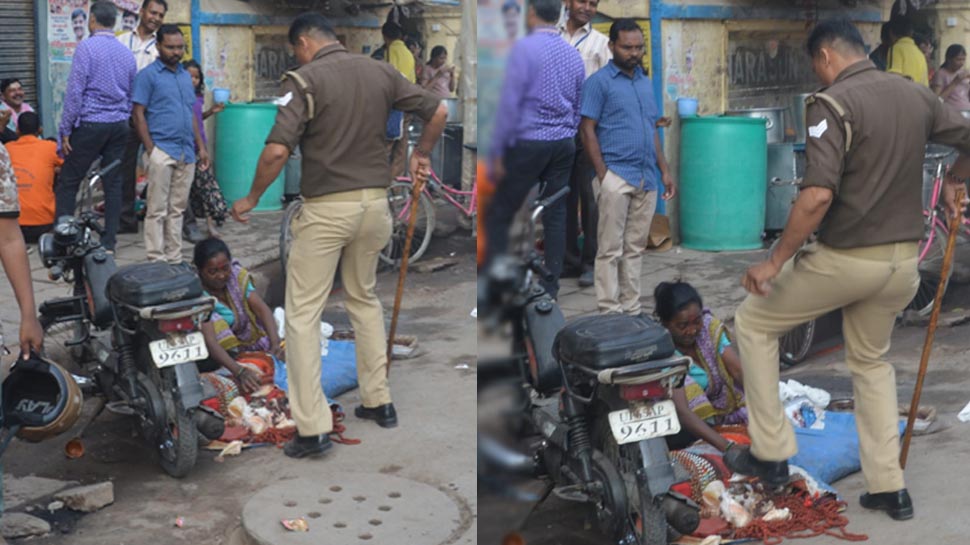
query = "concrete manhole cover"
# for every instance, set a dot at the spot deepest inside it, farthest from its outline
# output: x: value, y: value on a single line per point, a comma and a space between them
x: 353, y: 508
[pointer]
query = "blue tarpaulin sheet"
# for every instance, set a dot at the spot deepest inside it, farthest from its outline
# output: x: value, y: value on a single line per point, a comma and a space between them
x: 338, y: 372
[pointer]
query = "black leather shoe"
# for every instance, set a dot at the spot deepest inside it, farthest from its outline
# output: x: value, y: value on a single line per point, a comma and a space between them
x: 740, y: 460
x: 897, y: 504
x: 385, y: 415
x: 586, y: 279
x: 301, y: 447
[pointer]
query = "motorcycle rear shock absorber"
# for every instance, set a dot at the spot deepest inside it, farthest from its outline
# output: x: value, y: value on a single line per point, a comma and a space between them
x: 126, y: 363
x: 580, y: 445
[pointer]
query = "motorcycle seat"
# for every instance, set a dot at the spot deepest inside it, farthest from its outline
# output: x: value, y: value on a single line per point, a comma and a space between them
x: 614, y: 340
x: 150, y: 284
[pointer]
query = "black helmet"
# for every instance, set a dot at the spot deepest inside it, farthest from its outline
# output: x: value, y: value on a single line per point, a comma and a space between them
x: 41, y: 397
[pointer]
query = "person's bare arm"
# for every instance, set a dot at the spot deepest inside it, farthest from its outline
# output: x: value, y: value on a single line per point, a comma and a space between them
x: 265, y: 316
x: 203, y: 158
x: 670, y: 188
x: 694, y: 424
x: 271, y: 163
x: 247, y: 379
x: 810, y: 207
x: 420, y: 163
x: 141, y: 127
x: 13, y: 254
x: 733, y: 364
x: 591, y: 143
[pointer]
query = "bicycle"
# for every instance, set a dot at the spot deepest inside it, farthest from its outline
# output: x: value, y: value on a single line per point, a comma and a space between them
x: 399, y: 201
x: 933, y: 245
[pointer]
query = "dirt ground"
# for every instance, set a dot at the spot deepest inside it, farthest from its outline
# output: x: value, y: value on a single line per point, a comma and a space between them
x: 434, y: 443
x: 936, y: 475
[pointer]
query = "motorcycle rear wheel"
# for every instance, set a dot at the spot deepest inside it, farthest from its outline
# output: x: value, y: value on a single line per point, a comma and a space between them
x: 171, y: 430
x: 648, y: 520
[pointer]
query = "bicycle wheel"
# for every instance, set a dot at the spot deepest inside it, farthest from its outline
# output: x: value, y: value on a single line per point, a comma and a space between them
x: 931, y: 250
x: 793, y: 346
x: 399, y: 200
x: 286, y: 235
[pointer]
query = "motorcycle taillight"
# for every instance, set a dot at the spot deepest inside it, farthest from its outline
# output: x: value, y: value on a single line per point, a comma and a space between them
x: 636, y: 392
x: 179, y: 324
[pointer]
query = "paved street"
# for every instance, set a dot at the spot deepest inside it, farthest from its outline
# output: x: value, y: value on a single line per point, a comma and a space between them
x: 428, y: 458
x: 936, y: 476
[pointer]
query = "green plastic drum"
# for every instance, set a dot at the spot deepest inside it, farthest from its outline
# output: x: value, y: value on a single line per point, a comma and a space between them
x: 241, y: 132
x: 723, y: 182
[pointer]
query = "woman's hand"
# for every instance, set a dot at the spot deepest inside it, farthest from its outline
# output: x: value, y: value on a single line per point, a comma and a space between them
x: 276, y: 347
x: 248, y: 379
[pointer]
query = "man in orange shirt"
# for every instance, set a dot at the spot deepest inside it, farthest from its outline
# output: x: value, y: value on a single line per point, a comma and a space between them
x: 35, y: 163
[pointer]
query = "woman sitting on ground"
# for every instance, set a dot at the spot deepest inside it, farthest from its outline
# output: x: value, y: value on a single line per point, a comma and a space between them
x: 241, y: 321
x: 712, y: 394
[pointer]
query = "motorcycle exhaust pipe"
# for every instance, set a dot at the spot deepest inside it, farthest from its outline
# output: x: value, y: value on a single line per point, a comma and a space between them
x: 493, y: 453
x: 681, y: 514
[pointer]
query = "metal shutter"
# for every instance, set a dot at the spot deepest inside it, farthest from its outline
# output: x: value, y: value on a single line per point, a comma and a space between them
x: 18, y: 45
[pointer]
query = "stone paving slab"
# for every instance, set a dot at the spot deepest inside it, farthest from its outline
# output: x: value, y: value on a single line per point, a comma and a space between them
x: 348, y: 508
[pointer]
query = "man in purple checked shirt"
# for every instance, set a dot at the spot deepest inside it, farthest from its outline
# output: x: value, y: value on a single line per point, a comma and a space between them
x: 533, y: 139
x: 94, y: 124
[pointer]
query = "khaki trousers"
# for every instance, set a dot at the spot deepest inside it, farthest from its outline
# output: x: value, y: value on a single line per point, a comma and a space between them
x: 350, y: 228
x: 871, y: 285
x: 169, y: 182
x: 623, y: 228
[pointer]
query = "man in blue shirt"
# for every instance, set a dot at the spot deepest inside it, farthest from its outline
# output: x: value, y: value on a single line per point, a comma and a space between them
x: 163, y: 101
x: 619, y: 113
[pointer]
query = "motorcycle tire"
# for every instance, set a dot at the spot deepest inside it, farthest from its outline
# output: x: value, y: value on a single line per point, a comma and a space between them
x: 649, y: 522
x: 180, y: 428
x: 168, y: 427
x: 181, y: 458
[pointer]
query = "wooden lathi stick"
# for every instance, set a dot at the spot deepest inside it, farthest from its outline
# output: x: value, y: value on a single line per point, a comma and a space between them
x: 931, y: 331
x: 416, y: 189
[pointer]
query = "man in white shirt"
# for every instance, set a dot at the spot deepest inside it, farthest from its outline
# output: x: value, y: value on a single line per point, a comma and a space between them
x: 593, y: 46
x: 141, y: 40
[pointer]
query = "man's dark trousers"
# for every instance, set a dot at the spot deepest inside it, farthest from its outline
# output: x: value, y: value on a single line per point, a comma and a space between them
x: 90, y: 141
x: 129, y: 167
x: 526, y: 164
x: 581, y: 211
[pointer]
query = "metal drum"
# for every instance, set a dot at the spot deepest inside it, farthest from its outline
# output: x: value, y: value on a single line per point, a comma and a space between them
x: 798, y: 116
x: 774, y: 121
x: 782, y: 185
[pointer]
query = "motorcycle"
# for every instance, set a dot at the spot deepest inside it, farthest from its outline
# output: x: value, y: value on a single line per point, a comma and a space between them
x: 595, y: 397
x: 133, y: 333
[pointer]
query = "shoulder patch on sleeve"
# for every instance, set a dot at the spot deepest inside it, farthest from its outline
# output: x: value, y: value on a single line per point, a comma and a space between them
x: 816, y: 131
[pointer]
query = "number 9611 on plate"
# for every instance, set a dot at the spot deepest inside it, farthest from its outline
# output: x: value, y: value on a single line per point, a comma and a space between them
x: 178, y: 348
x: 644, y: 422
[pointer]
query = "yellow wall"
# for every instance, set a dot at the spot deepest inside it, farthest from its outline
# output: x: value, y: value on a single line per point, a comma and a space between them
x: 957, y: 34
x: 638, y: 9
x: 179, y: 11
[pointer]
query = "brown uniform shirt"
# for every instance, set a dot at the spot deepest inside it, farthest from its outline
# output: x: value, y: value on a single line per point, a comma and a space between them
x: 343, y: 145
x: 877, y: 184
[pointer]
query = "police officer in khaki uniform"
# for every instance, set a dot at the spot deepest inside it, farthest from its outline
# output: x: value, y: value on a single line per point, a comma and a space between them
x: 335, y: 107
x: 867, y: 132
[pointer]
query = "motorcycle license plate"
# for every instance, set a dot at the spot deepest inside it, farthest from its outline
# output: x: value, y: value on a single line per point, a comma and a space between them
x: 178, y: 348
x: 644, y: 422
